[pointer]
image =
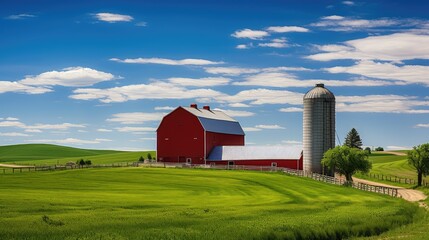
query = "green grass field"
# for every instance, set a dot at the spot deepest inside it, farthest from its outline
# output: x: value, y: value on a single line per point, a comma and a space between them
x: 158, y: 203
x: 46, y: 154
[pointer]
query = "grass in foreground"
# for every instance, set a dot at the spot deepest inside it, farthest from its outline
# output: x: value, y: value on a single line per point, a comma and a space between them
x: 150, y: 203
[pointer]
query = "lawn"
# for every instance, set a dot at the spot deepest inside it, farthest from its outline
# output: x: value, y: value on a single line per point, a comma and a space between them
x: 158, y: 203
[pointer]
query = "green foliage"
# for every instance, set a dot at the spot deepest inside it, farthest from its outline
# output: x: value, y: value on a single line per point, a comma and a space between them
x: 141, y: 159
x: 118, y: 203
x: 81, y: 162
x: 88, y: 162
x: 418, y: 158
x: 353, y: 139
x: 149, y: 156
x: 379, y: 149
x: 346, y: 161
x: 368, y: 150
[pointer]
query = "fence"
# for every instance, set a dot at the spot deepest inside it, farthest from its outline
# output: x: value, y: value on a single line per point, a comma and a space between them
x: 396, y: 179
x: 62, y: 167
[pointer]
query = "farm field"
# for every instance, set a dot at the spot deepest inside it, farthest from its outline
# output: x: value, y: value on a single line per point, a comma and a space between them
x: 153, y: 203
x: 391, y: 165
x: 46, y: 154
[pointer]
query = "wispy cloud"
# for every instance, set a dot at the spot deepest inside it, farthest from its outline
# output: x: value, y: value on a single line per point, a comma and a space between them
x: 291, y: 109
x: 235, y: 71
x: 200, y: 82
x: 389, y: 71
x: 393, y: 47
x: 349, y: 3
x: 382, y: 104
x: 73, y: 141
x: 285, y: 29
x: 165, y: 61
x: 163, y: 108
x: 104, y: 130
x: 262, y: 126
x: 155, y: 90
x: 136, y: 117
x: 343, y: 24
x: 275, y: 43
x: 20, y: 16
x: 235, y: 113
x: 68, y: 77
x: 113, y: 17
x: 136, y: 130
x: 250, y: 34
x: 14, y: 134
x: 6, y: 86
x: 38, y: 127
x: 422, y: 125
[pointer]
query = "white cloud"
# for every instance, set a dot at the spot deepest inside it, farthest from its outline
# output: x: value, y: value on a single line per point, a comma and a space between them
x: 382, y: 104
x: 103, y: 130
x: 136, y: 117
x: 149, y: 139
x: 6, y: 86
x: 141, y: 24
x: 14, y: 134
x: 284, y: 29
x: 281, y: 79
x: 156, y: 90
x: 292, y: 142
x: 33, y: 130
x: 12, y: 124
x: 200, y: 82
x: 239, y: 105
x: 388, y: 71
x: 422, y: 125
x: 242, y: 46
x: 275, y: 43
x: 251, y: 129
x: 291, y: 109
x: 393, y: 47
x: 113, y: 17
x: 235, y: 71
x: 333, y: 17
x: 65, y: 141
x: 269, y: 126
x: 264, y: 96
x: 349, y: 3
x: 136, y: 129
x: 165, y: 61
x: 167, y: 108
x: 103, y: 140
x: 69, y: 77
x: 251, y: 34
x: 234, y: 113
x: 20, y: 16
x: 38, y: 127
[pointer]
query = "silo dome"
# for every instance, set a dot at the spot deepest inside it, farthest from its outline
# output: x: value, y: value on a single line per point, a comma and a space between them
x: 318, y: 127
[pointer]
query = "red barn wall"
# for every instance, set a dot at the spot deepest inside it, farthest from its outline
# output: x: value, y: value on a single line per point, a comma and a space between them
x: 180, y: 136
x: 221, y: 139
x: 286, y: 163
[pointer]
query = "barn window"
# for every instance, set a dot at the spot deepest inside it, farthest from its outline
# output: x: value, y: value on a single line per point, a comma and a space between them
x: 273, y: 164
x: 188, y: 160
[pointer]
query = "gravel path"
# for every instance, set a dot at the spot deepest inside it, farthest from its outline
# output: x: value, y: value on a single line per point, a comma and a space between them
x: 407, y: 194
x: 14, y: 166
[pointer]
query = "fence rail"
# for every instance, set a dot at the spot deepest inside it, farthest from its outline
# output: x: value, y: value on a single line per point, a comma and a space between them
x: 396, y: 179
x: 62, y: 167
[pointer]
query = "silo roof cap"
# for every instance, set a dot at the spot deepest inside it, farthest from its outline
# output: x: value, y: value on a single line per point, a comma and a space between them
x: 319, y: 91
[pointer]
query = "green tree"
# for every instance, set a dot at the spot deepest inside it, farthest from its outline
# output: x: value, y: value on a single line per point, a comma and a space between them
x: 418, y: 158
x: 149, y: 156
x: 353, y: 139
x: 81, y: 162
x: 141, y: 159
x: 346, y: 161
x: 88, y: 162
x: 368, y: 150
x: 379, y: 149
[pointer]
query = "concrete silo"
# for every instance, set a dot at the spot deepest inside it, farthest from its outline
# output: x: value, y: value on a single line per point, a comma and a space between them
x: 319, y: 127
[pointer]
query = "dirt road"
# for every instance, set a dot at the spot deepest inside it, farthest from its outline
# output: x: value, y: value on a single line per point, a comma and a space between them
x: 397, y: 153
x: 407, y: 194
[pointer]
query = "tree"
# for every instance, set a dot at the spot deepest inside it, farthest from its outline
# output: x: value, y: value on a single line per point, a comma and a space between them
x: 88, y: 162
x: 346, y: 161
x: 149, y: 156
x: 82, y: 162
x: 379, y: 149
x: 418, y: 158
x: 368, y: 150
x: 141, y: 159
x: 353, y: 139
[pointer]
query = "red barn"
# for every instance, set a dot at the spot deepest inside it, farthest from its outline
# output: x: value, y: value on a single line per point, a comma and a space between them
x: 188, y: 134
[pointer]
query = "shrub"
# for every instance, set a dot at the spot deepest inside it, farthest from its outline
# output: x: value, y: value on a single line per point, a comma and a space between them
x: 379, y: 149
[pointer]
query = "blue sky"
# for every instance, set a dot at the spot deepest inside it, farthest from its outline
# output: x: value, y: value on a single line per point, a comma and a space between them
x: 101, y: 74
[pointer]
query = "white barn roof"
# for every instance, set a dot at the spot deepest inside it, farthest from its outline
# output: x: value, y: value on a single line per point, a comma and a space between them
x: 225, y: 153
x: 216, y: 121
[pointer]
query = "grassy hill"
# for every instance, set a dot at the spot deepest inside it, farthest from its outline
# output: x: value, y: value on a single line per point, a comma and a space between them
x: 154, y: 203
x: 46, y: 154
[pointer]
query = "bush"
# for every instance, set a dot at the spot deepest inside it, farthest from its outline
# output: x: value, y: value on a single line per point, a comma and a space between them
x: 141, y: 159
x: 149, y: 156
x: 368, y: 150
x: 88, y: 162
x: 379, y: 149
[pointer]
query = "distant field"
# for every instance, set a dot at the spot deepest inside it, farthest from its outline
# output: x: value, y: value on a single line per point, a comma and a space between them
x: 154, y: 203
x: 391, y: 165
x: 46, y: 154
